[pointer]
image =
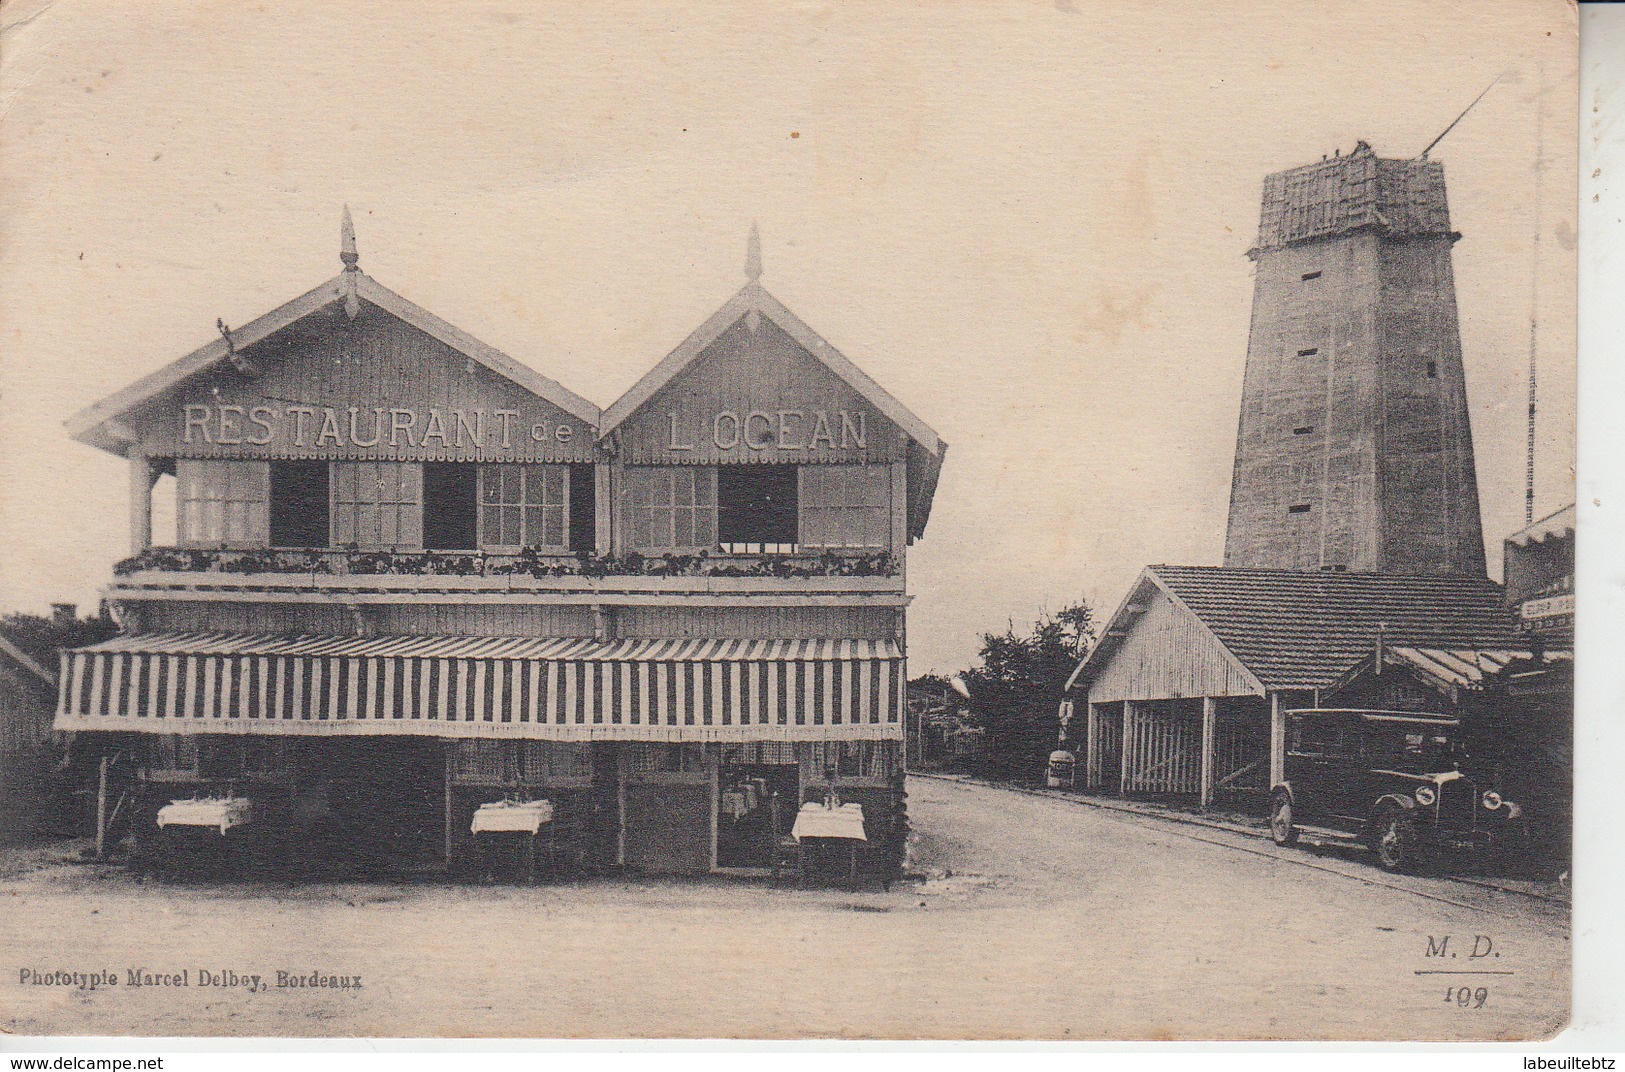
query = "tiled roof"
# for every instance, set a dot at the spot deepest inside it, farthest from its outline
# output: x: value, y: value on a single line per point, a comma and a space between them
x: 1349, y: 193
x: 1304, y: 629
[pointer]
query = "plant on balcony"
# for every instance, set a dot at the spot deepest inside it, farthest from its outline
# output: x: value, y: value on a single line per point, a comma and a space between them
x: 223, y: 560
x: 531, y: 561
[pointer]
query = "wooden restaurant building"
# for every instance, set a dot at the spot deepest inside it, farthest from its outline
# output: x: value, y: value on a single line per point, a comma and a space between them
x: 412, y: 576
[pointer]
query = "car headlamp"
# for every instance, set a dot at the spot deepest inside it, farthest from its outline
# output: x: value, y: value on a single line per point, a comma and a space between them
x: 1492, y: 799
x: 1425, y: 795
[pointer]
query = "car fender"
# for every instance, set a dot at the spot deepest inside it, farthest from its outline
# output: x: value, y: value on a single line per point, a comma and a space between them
x: 1398, y: 800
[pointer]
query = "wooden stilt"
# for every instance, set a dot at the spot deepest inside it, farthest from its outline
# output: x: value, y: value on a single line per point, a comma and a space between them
x: 101, y: 811
x: 1128, y: 721
x: 450, y: 819
x: 1210, y: 714
x: 1277, y: 741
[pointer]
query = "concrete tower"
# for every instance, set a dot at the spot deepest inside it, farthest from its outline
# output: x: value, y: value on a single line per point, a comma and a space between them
x: 1354, y: 450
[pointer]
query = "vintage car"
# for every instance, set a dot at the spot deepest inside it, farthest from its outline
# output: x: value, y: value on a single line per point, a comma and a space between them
x: 1388, y: 780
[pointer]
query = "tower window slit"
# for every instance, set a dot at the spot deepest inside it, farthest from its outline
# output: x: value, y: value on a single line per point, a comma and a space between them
x: 1309, y: 351
x: 1298, y: 508
x: 1310, y: 276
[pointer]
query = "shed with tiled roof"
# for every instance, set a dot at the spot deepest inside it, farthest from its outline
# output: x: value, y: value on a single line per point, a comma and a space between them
x: 1187, y: 685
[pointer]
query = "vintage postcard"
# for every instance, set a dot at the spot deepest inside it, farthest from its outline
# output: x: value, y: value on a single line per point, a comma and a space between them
x: 482, y: 555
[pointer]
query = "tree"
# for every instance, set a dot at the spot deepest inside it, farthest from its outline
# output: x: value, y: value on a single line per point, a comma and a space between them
x: 1017, y: 689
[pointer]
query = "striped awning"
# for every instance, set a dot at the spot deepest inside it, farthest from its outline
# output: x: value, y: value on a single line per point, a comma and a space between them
x: 1456, y: 669
x: 456, y: 686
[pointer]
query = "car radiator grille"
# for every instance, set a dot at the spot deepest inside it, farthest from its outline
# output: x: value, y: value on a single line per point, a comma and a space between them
x: 1457, y: 800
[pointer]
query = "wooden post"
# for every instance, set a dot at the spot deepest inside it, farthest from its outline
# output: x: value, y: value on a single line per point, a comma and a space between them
x: 101, y: 811
x: 1128, y: 721
x: 713, y: 763
x: 1210, y: 714
x: 899, y: 512
x: 140, y: 503
x: 603, y: 508
x: 620, y: 805
x: 1277, y: 741
x: 1091, y: 747
x: 450, y: 798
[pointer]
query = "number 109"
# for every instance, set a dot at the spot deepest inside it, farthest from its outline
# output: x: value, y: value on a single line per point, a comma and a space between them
x: 1466, y: 997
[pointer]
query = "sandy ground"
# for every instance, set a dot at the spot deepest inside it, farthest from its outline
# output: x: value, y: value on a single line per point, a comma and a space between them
x: 1041, y: 918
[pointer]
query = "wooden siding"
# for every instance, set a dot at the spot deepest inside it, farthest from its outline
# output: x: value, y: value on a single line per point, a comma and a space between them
x: 1241, y: 741
x: 1167, y: 654
x: 758, y: 623
x: 767, y: 373
x: 519, y: 619
x: 374, y: 362
x: 25, y: 718
x: 167, y: 616
x: 390, y: 619
x: 1163, y: 742
x: 1104, y: 751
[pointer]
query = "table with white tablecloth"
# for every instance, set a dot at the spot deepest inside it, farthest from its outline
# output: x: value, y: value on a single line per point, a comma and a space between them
x: 222, y: 813
x: 506, y: 816
x: 822, y: 824
x: 524, y: 817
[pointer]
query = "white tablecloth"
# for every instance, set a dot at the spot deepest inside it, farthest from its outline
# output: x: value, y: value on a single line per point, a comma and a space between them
x: 815, y: 820
x: 222, y: 812
x: 508, y: 817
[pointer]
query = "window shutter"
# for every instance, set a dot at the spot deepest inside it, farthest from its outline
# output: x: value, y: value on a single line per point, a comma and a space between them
x: 845, y: 507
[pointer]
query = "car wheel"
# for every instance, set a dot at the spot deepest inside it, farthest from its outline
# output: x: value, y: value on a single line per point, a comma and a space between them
x: 1393, y: 839
x: 1282, y: 832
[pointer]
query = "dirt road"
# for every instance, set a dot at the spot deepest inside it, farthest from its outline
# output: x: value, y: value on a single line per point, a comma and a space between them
x: 1043, y: 919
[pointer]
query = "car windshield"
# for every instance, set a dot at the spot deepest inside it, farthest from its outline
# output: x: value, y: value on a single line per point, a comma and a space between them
x: 1412, y: 746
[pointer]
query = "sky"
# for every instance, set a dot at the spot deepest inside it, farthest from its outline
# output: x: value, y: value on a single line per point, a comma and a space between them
x: 1028, y: 221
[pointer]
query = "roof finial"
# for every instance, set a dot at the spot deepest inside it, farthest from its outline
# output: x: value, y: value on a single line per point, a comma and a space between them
x: 347, y: 249
x: 351, y: 258
x: 753, y: 254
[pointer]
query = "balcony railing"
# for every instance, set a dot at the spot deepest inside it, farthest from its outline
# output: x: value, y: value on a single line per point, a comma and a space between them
x: 527, y: 563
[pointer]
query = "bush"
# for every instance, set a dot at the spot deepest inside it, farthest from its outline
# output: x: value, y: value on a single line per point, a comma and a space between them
x: 1016, y: 691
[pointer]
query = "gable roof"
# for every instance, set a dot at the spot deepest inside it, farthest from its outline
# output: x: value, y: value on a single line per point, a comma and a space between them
x: 1447, y: 671
x: 99, y: 424
x: 1560, y: 524
x: 1297, y: 629
x: 26, y: 661
x: 753, y: 297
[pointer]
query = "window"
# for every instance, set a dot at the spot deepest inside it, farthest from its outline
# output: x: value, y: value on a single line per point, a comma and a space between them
x: 756, y: 508
x: 1303, y: 429
x: 1433, y: 370
x: 1316, y: 737
x: 299, y: 503
x: 846, y: 506
x: 583, y: 512
x: 1309, y: 351
x: 523, y: 505
x: 1309, y: 277
x: 663, y: 758
x: 378, y: 505
x: 1298, y: 508
x: 222, y: 503
x: 673, y: 508
x: 551, y: 761
x: 450, y: 506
